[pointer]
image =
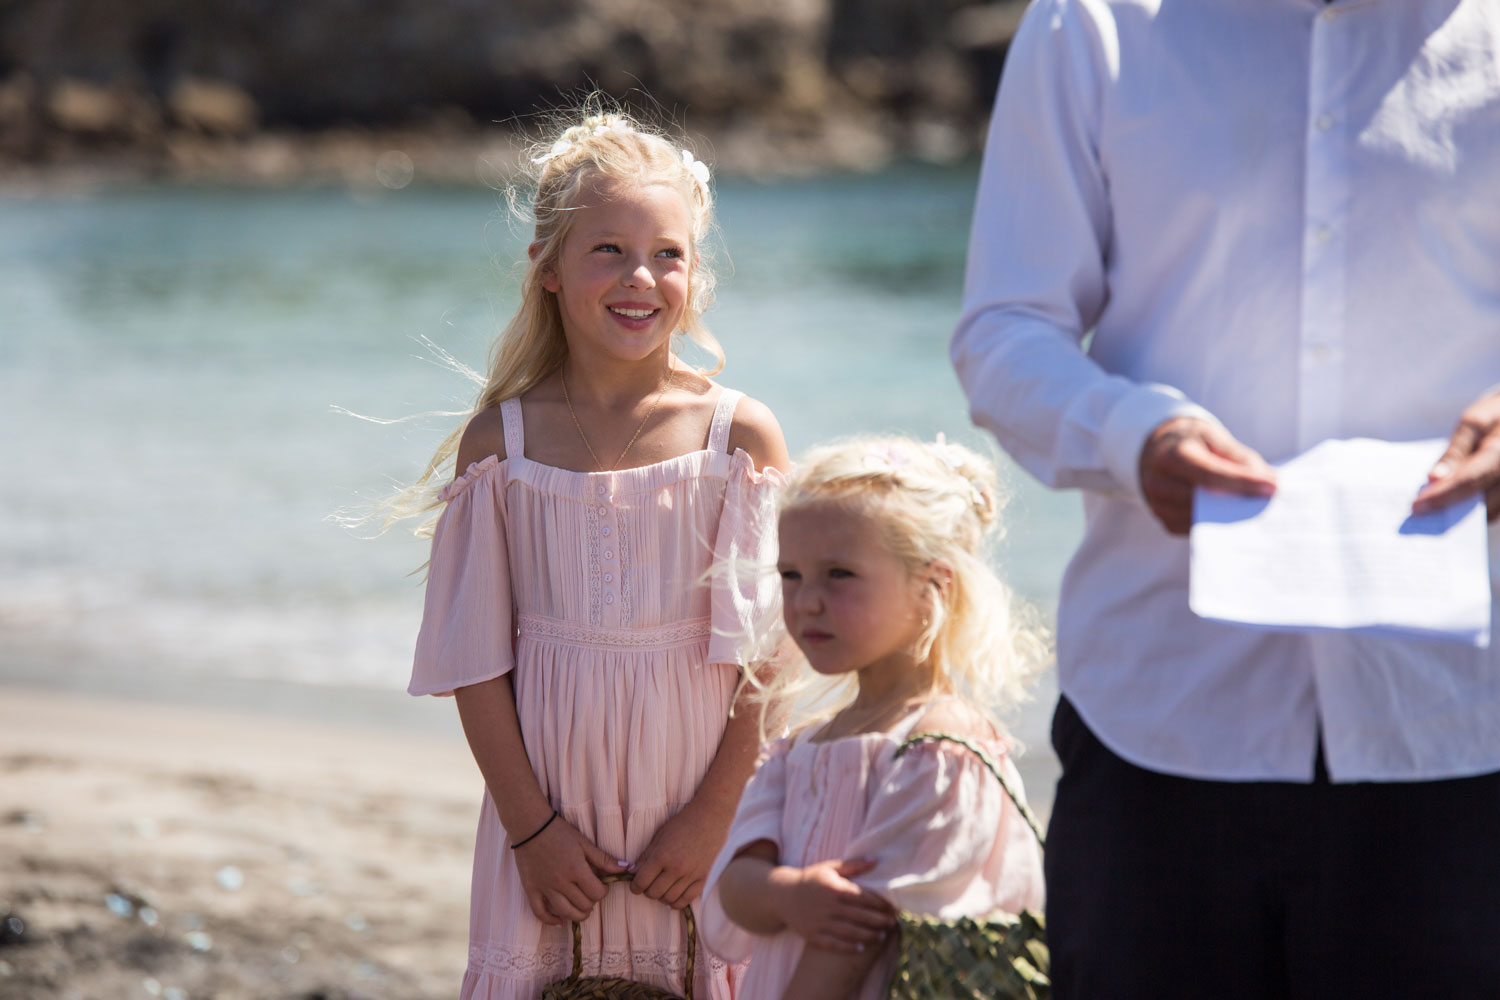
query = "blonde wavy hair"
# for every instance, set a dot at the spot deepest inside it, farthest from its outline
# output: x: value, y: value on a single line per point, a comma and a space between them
x: 935, y: 503
x: 591, y: 145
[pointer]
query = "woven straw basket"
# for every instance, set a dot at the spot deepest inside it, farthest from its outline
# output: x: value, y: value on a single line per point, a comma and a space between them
x: 999, y: 957
x: 577, y: 986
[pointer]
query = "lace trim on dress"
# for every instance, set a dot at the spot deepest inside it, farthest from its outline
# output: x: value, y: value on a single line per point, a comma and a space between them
x: 596, y: 572
x: 680, y: 633
x: 627, y: 608
x: 522, y: 963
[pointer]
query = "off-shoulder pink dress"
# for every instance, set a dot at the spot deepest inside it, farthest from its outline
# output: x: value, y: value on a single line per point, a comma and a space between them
x: 946, y: 839
x: 590, y: 586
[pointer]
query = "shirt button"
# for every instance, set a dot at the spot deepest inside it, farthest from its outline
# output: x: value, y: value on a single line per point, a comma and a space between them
x: 601, y: 489
x: 609, y: 578
x: 609, y: 553
x: 604, y: 532
x: 609, y: 598
x: 604, y: 510
x: 1325, y: 122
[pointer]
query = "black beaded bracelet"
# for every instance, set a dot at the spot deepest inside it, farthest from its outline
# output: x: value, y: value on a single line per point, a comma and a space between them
x: 523, y: 843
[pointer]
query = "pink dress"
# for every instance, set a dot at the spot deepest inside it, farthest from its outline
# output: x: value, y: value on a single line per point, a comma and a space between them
x: 947, y: 840
x: 590, y: 586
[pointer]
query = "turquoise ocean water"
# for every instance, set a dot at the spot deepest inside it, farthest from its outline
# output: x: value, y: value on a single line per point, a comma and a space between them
x: 170, y: 360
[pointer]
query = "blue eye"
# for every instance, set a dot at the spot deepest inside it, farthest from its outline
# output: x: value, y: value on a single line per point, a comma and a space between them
x: 790, y: 574
x: 840, y: 574
x: 608, y: 247
x: 674, y: 252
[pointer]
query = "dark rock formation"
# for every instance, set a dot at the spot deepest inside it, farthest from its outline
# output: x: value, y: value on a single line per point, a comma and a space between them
x: 799, y: 78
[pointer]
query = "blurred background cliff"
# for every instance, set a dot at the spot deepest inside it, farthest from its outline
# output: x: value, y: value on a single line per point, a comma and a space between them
x: 278, y: 90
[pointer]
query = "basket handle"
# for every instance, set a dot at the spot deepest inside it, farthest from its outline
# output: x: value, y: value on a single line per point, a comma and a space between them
x: 687, y: 919
x: 984, y: 758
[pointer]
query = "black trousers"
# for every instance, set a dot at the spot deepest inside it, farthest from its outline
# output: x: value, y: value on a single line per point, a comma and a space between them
x: 1161, y: 887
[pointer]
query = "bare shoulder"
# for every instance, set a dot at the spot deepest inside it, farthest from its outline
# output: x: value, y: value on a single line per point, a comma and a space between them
x: 755, y: 429
x: 953, y: 717
x: 483, y: 436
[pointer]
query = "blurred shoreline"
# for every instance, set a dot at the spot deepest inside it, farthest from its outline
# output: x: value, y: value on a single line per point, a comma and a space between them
x: 463, y: 155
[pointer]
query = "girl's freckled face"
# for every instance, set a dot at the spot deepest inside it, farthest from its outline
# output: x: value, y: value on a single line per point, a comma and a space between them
x: 622, y: 276
x: 849, y: 602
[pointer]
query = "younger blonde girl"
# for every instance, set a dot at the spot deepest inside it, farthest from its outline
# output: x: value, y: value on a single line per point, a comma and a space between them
x: 597, y: 480
x: 884, y: 587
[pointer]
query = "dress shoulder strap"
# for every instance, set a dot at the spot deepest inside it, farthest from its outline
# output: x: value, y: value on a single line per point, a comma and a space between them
x: 515, y: 430
x: 718, y: 430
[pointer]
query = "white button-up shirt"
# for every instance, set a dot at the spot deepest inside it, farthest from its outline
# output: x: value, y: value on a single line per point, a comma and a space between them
x: 1282, y: 214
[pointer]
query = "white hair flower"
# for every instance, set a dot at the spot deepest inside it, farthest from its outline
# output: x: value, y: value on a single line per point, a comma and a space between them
x: 886, y: 458
x: 559, y: 147
x: 697, y: 168
x: 618, y: 127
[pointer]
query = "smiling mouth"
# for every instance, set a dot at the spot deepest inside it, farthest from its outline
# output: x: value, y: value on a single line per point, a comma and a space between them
x: 633, y: 313
x: 813, y: 635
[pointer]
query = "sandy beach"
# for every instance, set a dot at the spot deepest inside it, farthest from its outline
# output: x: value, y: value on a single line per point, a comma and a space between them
x: 150, y: 850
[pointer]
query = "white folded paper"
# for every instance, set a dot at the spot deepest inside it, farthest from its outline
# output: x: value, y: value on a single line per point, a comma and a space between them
x: 1338, y: 547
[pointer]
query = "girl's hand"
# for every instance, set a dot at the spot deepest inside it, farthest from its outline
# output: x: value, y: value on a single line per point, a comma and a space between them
x: 560, y: 873
x: 675, y: 864
x: 821, y: 905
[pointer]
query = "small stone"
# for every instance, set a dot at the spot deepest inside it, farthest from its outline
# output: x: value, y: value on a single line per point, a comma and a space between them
x: 191, y: 922
x: 148, y: 916
x: 151, y: 986
x: 173, y: 993
x: 290, y: 955
x: 199, y: 940
x: 5, y: 970
x: 230, y: 878
x: 356, y: 922
x: 119, y: 905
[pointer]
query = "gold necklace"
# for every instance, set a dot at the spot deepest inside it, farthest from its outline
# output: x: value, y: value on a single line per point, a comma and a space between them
x: 642, y: 426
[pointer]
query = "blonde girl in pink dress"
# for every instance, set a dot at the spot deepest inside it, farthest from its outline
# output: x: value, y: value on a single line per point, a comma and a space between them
x: 884, y: 589
x: 599, y: 477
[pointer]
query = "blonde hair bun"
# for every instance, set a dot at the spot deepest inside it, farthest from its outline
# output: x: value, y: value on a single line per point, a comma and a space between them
x: 936, y: 502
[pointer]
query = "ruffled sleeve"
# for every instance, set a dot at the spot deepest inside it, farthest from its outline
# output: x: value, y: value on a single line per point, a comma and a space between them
x: 746, y: 592
x: 467, y: 633
x: 946, y: 839
x: 758, y: 818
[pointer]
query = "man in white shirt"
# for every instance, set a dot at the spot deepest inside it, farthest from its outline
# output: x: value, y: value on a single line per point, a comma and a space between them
x: 1280, y: 222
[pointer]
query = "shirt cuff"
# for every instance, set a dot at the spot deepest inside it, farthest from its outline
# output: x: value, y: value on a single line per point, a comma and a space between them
x: 1131, y: 421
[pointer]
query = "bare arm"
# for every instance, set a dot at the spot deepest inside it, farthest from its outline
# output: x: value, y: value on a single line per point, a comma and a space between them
x: 830, y: 975
x: 819, y: 903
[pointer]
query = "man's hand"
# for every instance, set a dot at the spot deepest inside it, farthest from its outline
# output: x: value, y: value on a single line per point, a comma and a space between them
x: 1186, y: 452
x: 1470, y: 465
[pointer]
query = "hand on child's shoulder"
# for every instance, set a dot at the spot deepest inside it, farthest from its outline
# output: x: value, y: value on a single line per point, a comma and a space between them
x: 756, y: 431
x: 484, y: 436
x: 952, y: 717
